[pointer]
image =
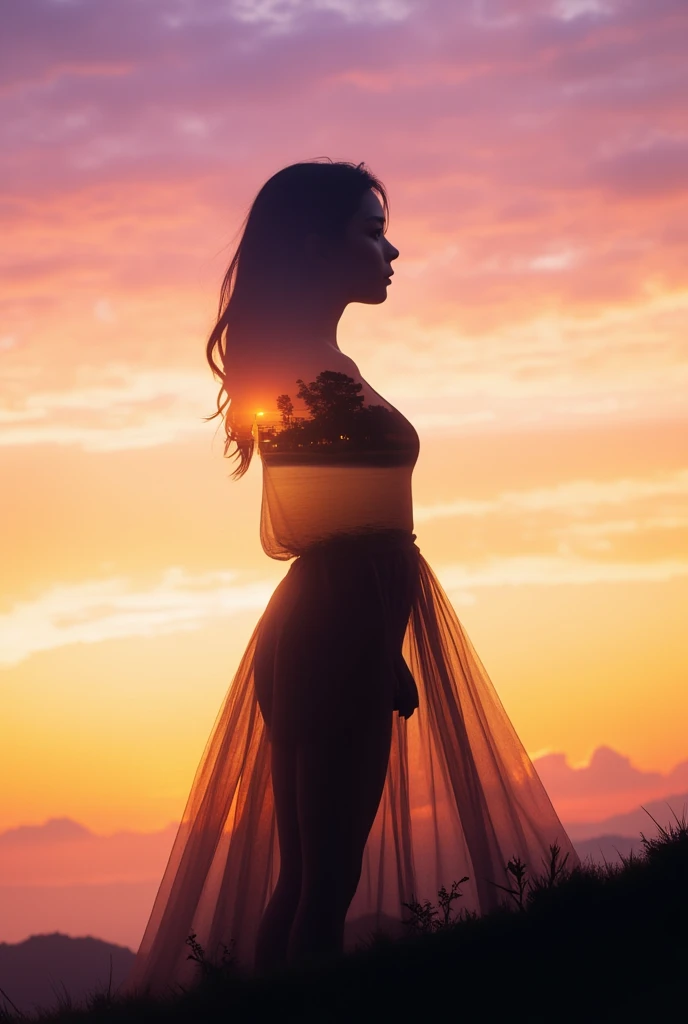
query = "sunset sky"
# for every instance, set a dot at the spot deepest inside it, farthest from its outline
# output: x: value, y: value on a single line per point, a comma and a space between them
x: 536, y: 157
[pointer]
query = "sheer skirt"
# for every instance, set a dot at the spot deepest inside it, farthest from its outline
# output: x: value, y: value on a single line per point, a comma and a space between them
x: 461, y: 796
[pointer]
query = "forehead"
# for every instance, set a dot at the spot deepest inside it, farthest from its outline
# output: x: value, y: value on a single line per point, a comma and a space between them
x: 370, y: 206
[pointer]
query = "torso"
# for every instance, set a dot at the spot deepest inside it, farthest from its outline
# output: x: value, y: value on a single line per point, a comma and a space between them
x: 336, y: 459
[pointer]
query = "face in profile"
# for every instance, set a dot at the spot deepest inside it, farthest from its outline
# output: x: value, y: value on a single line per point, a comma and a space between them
x: 362, y: 261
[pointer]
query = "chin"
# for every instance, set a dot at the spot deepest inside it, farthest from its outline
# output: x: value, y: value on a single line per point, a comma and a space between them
x: 374, y: 298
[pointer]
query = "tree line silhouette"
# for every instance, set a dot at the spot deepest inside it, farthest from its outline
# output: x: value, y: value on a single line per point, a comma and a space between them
x: 338, y: 418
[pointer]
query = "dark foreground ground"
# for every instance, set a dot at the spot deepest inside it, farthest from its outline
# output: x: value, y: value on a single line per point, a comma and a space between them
x: 595, y: 944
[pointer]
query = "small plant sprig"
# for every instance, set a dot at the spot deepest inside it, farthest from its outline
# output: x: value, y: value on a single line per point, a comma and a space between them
x: 426, y: 917
x: 209, y: 968
x: 554, y: 875
x: 518, y: 869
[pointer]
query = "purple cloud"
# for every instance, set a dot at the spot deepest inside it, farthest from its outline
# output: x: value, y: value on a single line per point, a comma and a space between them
x: 508, y: 128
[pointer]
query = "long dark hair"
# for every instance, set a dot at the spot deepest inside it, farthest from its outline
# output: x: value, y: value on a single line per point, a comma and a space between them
x: 318, y: 196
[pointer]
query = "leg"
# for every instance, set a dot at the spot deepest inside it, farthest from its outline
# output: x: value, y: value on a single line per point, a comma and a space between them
x: 273, y: 934
x: 339, y: 782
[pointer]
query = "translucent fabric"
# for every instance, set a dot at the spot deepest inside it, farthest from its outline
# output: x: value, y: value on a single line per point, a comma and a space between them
x: 461, y: 796
x: 359, y: 623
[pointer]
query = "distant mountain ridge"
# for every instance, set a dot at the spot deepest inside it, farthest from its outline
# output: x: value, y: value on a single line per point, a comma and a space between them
x: 607, y: 849
x: 634, y: 822
x: 60, y: 876
x: 33, y: 972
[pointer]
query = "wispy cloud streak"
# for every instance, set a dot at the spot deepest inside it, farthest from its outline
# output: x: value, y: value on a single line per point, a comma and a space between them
x: 113, y: 608
x: 109, y: 609
x: 140, y: 409
x: 552, y: 570
x: 573, y: 497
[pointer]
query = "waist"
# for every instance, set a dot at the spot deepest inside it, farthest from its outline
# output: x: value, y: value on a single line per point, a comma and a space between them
x: 353, y: 543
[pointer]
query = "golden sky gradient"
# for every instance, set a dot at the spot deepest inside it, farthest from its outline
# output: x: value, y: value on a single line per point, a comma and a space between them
x: 536, y: 157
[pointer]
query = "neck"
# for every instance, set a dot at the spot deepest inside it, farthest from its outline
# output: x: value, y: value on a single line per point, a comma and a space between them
x: 298, y: 325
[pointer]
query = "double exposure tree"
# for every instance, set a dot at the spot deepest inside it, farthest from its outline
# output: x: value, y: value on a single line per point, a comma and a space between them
x: 338, y: 416
x: 286, y: 407
x: 333, y: 400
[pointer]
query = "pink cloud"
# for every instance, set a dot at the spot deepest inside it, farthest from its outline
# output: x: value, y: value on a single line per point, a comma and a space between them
x: 61, y: 852
x: 532, y: 150
x: 608, y: 785
x: 656, y: 168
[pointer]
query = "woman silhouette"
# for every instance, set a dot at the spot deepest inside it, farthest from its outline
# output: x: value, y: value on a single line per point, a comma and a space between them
x: 361, y: 756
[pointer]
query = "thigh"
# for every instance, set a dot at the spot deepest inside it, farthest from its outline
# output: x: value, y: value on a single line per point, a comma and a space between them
x: 323, y: 657
x: 340, y: 779
x: 283, y: 770
x: 269, y: 631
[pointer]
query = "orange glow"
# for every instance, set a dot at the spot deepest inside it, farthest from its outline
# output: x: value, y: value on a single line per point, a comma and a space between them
x: 534, y: 335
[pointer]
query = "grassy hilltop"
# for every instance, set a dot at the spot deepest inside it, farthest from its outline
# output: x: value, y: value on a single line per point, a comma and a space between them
x: 592, y: 944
